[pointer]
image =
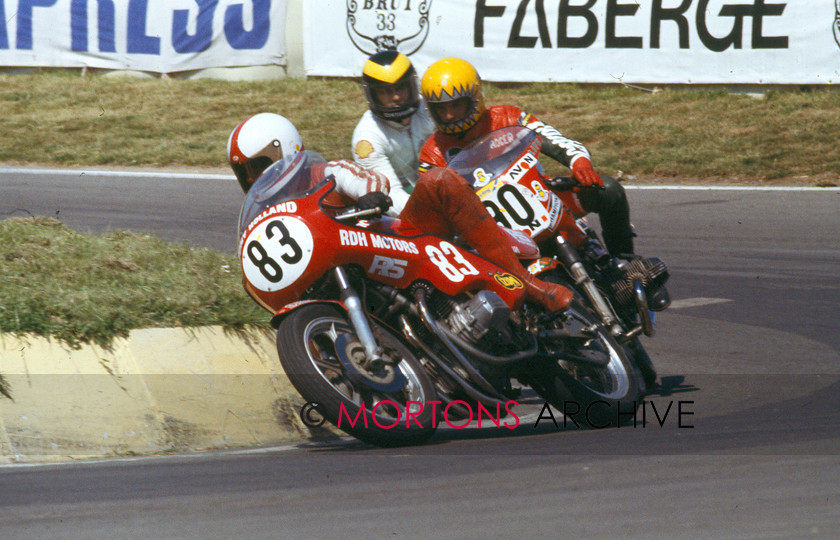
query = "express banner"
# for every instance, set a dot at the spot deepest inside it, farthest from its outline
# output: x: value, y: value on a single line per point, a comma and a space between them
x: 160, y: 36
x: 602, y: 41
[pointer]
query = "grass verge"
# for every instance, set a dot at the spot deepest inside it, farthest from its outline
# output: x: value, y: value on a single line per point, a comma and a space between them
x: 60, y: 118
x: 81, y: 288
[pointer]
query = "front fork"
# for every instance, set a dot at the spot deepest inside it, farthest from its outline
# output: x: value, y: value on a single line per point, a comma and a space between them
x: 574, y: 266
x: 351, y: 300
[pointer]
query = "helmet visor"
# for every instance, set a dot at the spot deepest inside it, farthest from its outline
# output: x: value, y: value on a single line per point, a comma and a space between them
x: 392, y: 96
x: 395, y: 100
x: 249, y: 171
x: 453, y: 112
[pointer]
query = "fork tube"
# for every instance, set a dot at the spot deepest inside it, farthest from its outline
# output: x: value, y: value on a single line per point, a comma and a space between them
x: 350, y: 299
x: 576, y: 270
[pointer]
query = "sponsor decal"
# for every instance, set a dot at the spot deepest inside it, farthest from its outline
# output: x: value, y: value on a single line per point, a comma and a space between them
x: 508, y: 281
x: 541, y: 264
x: 352, y: 238
x: 503, y: 140
x: 482, y: 178
x: 582, y: 26
x: 347, y: 237
x: 521, y: 167
x: 288, y: 207
x: 393, y: 244
x: 363, y: 149
x: 388, y: 267
x: 378, y: 25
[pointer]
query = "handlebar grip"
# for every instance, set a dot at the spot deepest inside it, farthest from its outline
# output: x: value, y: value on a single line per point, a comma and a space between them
x: 568, y: 183
x: 563, y: 183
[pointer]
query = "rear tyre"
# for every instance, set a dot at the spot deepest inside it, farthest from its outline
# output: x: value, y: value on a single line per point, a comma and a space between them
x: 356, y: 400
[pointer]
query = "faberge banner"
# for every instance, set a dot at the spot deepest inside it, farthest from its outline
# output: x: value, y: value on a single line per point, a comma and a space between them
x: 600, y: 41
x: 149, y: 35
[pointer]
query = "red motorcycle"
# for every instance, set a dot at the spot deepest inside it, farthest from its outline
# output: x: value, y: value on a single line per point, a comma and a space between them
x: 624, y: 292
x: 389, y: 331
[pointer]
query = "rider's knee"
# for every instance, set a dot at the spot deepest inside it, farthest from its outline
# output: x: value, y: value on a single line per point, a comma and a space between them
x: 612, y: 198
x: 613, y: 194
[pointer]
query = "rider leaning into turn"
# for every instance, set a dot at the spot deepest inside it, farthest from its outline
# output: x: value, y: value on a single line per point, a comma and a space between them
x: 452, y: 90
x: 389, y: 135
x: 442, y: 203
x: 264, y: 138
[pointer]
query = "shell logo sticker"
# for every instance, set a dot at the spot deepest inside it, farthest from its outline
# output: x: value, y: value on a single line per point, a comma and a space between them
x: 363, y: 149
x: 509, y: 281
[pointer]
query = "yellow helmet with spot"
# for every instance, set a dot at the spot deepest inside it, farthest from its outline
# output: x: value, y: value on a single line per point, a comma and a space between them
x: 390, y: 70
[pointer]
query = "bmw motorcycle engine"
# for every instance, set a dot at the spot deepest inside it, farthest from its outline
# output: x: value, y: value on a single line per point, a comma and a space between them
x: 651, y: 272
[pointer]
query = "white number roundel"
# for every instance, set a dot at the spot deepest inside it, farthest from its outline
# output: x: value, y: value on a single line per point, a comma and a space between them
x: 276, y: 253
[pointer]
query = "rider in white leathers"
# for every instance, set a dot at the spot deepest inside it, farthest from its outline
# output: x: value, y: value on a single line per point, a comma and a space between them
x: 389, y: 136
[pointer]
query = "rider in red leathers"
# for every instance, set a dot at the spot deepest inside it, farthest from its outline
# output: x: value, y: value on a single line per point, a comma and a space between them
x: 442, y: 202
x: 452, y: 90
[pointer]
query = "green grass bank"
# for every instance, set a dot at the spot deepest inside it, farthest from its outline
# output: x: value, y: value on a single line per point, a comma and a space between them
x: 62, y: 118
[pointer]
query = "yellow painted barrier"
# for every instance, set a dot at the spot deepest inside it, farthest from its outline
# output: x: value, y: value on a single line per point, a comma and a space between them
x: 158, y: 391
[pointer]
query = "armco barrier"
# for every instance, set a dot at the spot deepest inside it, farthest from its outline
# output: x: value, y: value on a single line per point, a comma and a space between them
x: 158, y: 391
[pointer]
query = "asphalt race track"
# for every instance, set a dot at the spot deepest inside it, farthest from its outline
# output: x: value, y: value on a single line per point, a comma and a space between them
x: 749, y: 354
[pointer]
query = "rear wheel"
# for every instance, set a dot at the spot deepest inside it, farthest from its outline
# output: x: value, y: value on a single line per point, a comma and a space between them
x: 385, y: 405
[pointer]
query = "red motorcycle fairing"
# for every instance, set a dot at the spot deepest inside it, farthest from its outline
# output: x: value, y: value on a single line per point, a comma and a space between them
x: 288, y: 308
x: 287, y: 247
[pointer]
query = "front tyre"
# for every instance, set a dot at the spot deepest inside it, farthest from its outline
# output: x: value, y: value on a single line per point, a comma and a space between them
x: 591, y: 395
x: 355, y: 400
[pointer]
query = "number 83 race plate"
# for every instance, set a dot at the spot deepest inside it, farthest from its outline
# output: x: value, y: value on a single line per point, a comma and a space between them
x: 276, y: 253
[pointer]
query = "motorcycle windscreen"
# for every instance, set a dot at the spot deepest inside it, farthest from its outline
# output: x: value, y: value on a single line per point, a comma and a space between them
x: 286, y: 179
x: 491, y: 155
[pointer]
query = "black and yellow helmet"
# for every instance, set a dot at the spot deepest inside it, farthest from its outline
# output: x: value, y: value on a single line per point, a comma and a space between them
x: 448, y: 80
x: 386, y: 69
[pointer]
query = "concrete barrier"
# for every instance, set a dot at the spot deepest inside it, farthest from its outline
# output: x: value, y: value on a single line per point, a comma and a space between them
x: 158, y: 391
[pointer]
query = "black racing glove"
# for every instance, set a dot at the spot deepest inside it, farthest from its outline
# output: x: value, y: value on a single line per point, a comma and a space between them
x: 374, y: 199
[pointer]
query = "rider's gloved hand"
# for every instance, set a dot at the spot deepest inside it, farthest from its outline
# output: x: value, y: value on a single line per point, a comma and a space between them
x: 374, y: 199
x: 583, y: 173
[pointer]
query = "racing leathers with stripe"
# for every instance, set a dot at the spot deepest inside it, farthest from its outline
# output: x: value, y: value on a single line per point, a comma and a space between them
x: 392, y: 149
x: 352, y: 181
x: 609, y: 203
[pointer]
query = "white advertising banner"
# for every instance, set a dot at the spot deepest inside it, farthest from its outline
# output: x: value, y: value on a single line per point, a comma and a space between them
x: 161, y: 36
x: 599, y: 41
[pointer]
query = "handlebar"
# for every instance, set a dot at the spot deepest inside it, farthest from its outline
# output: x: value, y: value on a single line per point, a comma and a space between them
x: 567, y: 183
x: 354, y: 213
x: 562, y: 183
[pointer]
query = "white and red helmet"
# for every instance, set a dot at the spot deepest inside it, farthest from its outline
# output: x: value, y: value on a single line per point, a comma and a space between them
x: 258, y: 142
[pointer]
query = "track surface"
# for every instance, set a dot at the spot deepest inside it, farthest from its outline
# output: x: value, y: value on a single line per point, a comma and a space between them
x: 751, y: 346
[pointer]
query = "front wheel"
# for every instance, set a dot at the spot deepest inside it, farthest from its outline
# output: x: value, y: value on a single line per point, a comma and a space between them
x: 591, y: 381
x: 386, y: 405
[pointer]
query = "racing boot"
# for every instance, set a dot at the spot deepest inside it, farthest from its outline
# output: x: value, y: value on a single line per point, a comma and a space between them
x: 443, y: 203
